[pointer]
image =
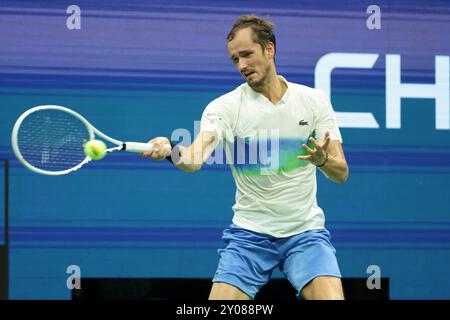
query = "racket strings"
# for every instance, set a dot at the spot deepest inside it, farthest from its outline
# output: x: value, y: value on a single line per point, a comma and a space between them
x: 52, y: 140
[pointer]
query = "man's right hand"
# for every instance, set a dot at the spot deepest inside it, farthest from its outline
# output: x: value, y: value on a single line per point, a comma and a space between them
x: 161, y: 149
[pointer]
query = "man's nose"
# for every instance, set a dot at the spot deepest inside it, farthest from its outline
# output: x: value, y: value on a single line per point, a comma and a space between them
x: 242, y: 66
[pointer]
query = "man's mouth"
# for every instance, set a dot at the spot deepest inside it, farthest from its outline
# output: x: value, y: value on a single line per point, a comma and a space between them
x: 247, y: 74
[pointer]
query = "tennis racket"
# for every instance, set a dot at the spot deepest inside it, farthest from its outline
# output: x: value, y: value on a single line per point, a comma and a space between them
x: 50, y: 140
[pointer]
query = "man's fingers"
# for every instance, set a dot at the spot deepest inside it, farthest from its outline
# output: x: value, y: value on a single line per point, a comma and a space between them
x: 147, y: 154
x: 160, y: 149
x: 327, y: 142
x: 304, y: 157
x: 308, y: 148
x: 315, y: 142
x: 157, y: 153
x: 326, y: 138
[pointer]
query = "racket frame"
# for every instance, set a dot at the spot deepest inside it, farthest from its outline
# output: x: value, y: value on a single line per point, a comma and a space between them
x: 93, y: 132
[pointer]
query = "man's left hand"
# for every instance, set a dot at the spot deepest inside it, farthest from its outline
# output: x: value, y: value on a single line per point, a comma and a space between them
x: 317, y: 155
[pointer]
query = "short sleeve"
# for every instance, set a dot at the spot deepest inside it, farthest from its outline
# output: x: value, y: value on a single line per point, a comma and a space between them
x: 215, y: 118
x: 326, y: 119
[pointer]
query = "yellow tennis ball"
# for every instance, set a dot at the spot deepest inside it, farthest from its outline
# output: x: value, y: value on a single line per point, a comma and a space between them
x: 95, y: 149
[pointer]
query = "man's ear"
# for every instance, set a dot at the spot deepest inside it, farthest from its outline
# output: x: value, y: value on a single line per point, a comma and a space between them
x: 270, y: 48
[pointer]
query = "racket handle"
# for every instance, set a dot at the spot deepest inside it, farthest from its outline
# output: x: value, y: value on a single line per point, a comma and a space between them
x: 137, y: 146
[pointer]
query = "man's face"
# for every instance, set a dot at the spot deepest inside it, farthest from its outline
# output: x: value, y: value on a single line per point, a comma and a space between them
x: 249, y: 58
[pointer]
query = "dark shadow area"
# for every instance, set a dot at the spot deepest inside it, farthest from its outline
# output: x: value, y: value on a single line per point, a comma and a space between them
x: 198, y: 289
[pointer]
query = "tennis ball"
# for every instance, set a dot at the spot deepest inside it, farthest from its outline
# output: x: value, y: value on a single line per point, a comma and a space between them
x: 95, y: 149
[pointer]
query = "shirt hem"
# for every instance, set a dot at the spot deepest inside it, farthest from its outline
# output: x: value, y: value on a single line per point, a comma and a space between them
x: 256, y: 228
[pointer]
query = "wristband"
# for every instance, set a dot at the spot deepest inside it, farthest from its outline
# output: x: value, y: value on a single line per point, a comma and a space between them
x: 326, y: 160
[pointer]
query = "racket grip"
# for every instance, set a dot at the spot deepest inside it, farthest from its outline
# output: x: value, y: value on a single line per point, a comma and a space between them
x: 137, y: 147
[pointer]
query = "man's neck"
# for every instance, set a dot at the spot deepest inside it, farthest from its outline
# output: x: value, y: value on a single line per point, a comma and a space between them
x: 273, y: 90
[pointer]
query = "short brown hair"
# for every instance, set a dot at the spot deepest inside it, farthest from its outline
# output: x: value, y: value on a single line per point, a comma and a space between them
x: 262, y: 30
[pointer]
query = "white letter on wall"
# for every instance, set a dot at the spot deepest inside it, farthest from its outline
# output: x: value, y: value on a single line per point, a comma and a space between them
x: 395, y: 90
x: 326, y: 65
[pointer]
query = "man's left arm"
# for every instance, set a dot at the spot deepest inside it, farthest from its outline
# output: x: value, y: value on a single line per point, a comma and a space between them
x: 329, y: 157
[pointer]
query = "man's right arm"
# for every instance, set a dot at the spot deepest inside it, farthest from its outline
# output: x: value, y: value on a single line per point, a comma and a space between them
x: 189, y: 159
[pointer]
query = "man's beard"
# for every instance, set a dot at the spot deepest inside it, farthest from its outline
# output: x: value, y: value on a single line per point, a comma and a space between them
x: 260, y: 83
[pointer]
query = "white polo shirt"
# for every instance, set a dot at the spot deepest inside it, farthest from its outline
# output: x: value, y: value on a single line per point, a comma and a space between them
x: 275, y: 192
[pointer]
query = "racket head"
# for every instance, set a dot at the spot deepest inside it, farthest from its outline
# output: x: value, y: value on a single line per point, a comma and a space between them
x: 49, y: 139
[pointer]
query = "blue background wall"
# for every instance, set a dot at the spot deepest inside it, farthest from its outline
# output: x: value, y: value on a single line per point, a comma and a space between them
x: 142, y: 69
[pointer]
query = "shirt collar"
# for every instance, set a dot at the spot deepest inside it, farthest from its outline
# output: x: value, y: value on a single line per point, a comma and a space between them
x: 285, y: 97
x: 258, y: 95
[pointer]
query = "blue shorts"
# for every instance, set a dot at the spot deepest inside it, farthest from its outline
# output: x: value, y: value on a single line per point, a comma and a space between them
x: 249, y: 258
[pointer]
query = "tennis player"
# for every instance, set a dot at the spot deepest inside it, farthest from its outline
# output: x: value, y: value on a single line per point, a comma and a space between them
x: 277, y: 221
